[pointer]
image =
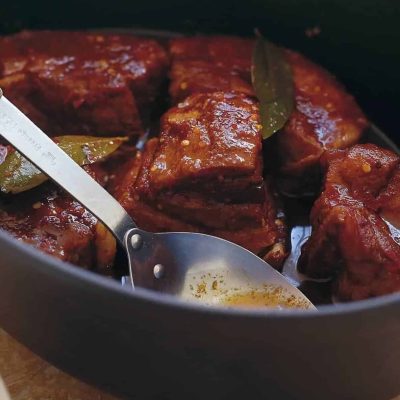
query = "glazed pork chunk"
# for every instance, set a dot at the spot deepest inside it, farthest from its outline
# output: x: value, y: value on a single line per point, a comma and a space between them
x: 325, y: 115
x: 203, y: 174
x: 356, y: 224
x: 209, y: 141
x: 50, y: 220
x: 79, y: 82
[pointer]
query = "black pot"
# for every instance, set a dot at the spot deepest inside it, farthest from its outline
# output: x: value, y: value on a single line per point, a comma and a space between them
x: 145, y: 346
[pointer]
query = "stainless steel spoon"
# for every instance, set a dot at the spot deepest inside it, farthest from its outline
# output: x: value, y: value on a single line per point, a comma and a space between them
x: 189, y: 265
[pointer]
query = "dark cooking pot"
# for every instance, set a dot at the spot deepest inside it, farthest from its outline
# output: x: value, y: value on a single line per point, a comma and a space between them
x: 145, y: 346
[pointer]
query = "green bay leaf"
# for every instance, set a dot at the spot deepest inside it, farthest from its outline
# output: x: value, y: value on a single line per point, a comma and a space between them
x: 273, y: 85
x: 17, y: 174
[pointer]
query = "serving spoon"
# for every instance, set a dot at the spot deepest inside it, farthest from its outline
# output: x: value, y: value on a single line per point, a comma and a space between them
x: 192, y: 266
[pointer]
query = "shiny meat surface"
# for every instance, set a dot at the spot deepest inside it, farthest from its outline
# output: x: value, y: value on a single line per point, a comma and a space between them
x: 77, y: 82
x: 50, y: 220
x: 325, y: 115
x: 356, y: 224
x: 207, y: 139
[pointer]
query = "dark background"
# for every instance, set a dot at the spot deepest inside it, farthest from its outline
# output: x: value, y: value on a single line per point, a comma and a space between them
x: 358, y: 40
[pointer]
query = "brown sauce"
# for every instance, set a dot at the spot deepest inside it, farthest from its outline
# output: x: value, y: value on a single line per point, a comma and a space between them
x: 275, y: 298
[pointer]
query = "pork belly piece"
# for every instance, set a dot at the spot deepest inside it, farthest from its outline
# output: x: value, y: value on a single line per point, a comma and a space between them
x: 50, y: 220
x: 203, y: 174
x: 83, y: 82
x: 325, y: 115
x: 356, y: 224
x: 192, y: 208
x: 208, y: 64
x: 210, y: 142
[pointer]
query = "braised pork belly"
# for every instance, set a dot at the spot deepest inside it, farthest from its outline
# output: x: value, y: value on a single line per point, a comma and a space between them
x: 210, y: 139
x: 356, y: 224
x: 50, y: 220
x: 80, y: 82
x: 203, y: 174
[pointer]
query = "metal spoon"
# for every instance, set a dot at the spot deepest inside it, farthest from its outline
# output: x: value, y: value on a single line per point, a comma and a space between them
x: 182, y: 264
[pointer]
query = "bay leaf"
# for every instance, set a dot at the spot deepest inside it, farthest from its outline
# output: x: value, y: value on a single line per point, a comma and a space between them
x: 17, y: 174
x: 273, y: 85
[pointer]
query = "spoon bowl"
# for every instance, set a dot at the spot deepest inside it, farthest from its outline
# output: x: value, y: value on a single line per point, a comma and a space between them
x: 199, y: 267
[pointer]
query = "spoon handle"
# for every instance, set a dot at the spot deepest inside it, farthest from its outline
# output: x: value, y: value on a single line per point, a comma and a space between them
x: 38, y: 148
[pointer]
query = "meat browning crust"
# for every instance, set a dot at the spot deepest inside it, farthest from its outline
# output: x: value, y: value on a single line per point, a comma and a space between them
x: 356, y: 224
x: 79, y: 82
x: 325, y: 115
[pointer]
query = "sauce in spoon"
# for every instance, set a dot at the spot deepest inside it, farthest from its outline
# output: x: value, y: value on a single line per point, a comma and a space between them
x: 270, y: 298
